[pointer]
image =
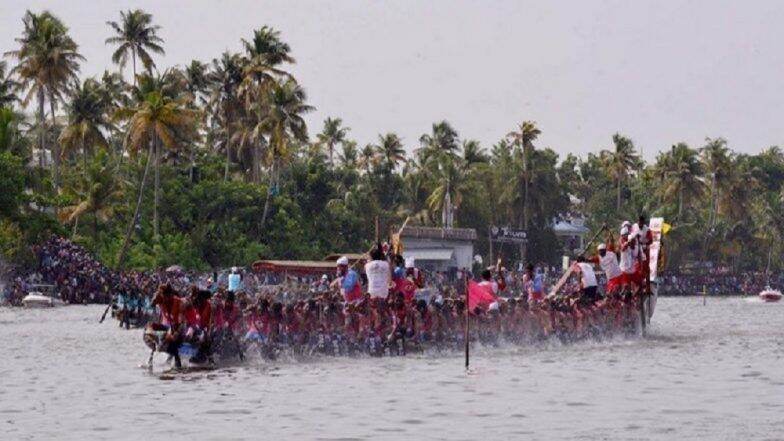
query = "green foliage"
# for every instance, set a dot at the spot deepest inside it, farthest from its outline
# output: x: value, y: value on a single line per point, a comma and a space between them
x: 240, y: 179
x: 12, y: 183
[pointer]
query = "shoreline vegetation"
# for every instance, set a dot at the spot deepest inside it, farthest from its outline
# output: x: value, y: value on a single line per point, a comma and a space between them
x: 211, y: 165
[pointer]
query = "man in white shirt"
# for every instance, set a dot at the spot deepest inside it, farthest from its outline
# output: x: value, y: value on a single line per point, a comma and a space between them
x: 378, y: 274
x: 608, y: 261
x: 588, y: 284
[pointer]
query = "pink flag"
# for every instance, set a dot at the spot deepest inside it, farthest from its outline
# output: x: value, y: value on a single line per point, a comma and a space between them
x: 479, y: 295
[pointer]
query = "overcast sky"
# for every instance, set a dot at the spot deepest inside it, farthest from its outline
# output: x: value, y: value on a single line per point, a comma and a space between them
x: 659, y: 72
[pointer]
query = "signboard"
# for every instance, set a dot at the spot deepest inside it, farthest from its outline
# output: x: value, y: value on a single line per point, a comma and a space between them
x: 508, y: 235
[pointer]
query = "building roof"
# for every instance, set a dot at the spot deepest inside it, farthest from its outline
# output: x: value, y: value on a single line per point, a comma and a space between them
x: 294, y: 266
x: 466, y: 234
x: 429, y: 254
x: 570, y: 227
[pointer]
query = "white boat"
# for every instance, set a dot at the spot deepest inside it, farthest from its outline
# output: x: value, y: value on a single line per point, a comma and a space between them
x: 37, y: 300
x: 43, y: 297
x: 770, y: 295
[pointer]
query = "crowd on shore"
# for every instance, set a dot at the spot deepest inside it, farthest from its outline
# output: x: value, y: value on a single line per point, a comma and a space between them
x: 78, y: 277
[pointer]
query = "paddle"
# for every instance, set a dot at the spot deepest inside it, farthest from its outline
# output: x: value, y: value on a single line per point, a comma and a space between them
x: 106, y: 311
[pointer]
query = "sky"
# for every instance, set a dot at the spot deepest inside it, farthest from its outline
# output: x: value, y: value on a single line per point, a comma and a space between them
x: 660, y: 72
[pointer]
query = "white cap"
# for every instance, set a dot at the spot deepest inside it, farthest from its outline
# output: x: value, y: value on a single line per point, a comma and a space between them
x: 493, y: 307
x: 324, y: 277
x: 343, y: 261
x: 626, y: 224
x: 234, y: 269
x: 624, y: 231
x: 409, y: 263
x: 601, y: 247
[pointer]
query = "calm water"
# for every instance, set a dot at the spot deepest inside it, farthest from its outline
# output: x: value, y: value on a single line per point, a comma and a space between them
x: 707, y: 372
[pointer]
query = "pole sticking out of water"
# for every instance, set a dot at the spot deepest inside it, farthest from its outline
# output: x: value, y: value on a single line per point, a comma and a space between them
x: 467, y: 319
x: 704, y: 295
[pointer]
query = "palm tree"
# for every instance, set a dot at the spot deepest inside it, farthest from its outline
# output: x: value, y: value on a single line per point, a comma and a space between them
x: 448, y: 177
x: 681, y: 171
x: 196, y: 77
x: 350, y: 155
x: 473, y: 153
x: 48, y: 62
x: 443, y: 138
x: 266, y: 42
x: 283, y: 122
x: 224, y: 102
x: 523, y: 138
x: 87, y: 119
x: 331, y: 135
x: 196, y: 80
x: 136, y: 34
x: 717, y: 163
x: 368, y: 158
x: 155, y: 123
x: 8, y: 87
x: 96, y: 191
x: 390, y: 149
x: 619, y: 163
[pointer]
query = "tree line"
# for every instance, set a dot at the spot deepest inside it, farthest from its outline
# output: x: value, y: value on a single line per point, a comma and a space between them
x: 212, y: 164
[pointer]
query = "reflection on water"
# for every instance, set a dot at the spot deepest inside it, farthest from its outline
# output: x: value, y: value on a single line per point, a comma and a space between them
x: 705, y: 372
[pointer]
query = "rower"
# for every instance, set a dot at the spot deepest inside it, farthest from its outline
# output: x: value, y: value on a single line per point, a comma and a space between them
x: 630, y: 263
x: 533, y: 284
x: 588, y: 285
x: 414, y: 273
x: 608, y: 261
x: 487, y: 280
x: 347, y: 281
x: 171, y: 320
x: 378, y: 273
x: 644, y: 240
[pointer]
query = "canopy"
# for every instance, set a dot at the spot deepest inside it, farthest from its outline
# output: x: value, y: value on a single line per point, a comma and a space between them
x: 295, y: 266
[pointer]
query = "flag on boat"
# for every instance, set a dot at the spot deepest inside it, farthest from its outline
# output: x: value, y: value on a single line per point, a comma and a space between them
x: 480, y: 295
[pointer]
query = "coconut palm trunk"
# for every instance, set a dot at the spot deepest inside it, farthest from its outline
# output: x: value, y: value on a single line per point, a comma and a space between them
x: 155, y: 220
x: 129, y: 230
x: 55, y: 148
x: 272, y: 181
x: 618, y: 196
x: 41, y: 129
x: 526, y: 200
x: 133, y: 58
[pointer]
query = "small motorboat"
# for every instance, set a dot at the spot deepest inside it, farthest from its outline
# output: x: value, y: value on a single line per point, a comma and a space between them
x: 770, y: 295
x: 36, y: 299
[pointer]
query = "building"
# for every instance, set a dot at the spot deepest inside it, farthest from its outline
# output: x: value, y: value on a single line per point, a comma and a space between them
x: 571, y: 232
x: 439, y: 249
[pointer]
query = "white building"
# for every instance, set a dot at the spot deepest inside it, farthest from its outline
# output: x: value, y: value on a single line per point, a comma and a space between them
x: 439, y: 249
x: 571, y: 232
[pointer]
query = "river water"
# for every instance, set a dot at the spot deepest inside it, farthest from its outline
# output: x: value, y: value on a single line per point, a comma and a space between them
x: 705, y: 372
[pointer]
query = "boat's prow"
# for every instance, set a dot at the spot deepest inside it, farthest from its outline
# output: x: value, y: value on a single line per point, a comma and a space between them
x: 770, y: 295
